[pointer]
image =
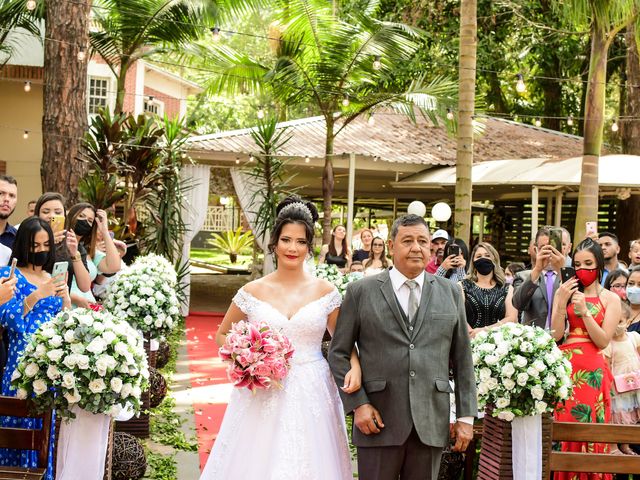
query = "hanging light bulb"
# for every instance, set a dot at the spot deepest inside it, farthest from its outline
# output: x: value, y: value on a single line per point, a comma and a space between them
x: 215, y: 34
x: 345, y: 101
x: 538, y: 122
x: 25, y: 135
x: 31, y: 5
x: 251, y: 158
x: 449, y: 114
x: 260, y: 113
x: 377, y: 64
x: 27, y: 86
x: 307, y: 159
x: 371, y: 120
x: 520, y: 86
x: 237, y: 161
x: 614, y: 126
x: 81, y: 54
x: 570, y: 121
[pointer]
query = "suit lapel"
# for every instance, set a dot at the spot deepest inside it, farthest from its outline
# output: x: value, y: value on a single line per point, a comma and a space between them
x: 427, y: 290
x: 390, y: 297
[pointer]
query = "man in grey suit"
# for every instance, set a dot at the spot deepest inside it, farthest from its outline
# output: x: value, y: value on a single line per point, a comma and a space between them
x: 534, y: 289
x: 410, y: 328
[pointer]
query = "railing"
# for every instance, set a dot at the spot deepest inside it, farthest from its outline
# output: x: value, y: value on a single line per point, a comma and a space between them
x: 220, y: 219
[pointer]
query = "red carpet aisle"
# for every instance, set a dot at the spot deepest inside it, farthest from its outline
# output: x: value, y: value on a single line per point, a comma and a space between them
x: 210, y: 386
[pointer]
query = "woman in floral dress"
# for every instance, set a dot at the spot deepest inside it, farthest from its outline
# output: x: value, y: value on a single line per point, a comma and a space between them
x: 593, y: 315
x: 38, y: 298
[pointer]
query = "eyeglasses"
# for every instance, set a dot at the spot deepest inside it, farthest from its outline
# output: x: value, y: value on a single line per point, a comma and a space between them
x: 378, y: 245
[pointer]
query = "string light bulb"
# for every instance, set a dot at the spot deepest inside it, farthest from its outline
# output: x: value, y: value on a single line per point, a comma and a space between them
x: 520, y: 85
x: 371, y: 120
x: 377, y: 64
x: 237, y: 161
x: 31, y: 5
x: 345, y: 101
x: 27, y: 86
x: 260, y: 113
x: 538, y: 122
x: 25, y: 135
x: 215, y: 34
x: 307, y: 159
x: 251, y: 158
x: 614, y: 126
x: 570, y: 121
x: 81, y: 54
x: 449, y: 114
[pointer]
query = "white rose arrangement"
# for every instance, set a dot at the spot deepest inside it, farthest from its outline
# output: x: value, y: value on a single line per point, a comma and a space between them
x: 145, y: 295
x: 520, y: 371
x: 333, y: 275
x: 83, y: 358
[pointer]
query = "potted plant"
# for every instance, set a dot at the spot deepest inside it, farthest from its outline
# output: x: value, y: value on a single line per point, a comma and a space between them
x: 232, y: 242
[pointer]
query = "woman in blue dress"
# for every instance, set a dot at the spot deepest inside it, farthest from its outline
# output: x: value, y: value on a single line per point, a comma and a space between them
x: 38, y: 298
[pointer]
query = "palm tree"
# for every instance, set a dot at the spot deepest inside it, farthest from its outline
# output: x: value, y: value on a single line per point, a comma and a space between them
x: 130, y: 30
x: 342, y: 67
x: 13, y: 14
x: 604, y: 19
x: 466, y: 104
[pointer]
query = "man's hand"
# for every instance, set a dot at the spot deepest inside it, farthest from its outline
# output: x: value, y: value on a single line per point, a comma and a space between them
x: 368, y: 419
x: 463, y: 433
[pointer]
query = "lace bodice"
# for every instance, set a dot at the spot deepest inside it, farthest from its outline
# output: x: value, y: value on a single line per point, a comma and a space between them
x: 304, y: 329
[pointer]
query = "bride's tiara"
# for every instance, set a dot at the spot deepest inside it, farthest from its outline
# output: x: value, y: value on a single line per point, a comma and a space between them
x: 297, y: 206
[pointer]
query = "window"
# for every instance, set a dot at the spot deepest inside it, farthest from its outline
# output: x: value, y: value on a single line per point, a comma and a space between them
x: 153, y: 106
x: 98, y: 94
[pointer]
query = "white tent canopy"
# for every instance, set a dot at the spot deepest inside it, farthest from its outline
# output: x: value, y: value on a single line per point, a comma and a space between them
x: 618, y: 171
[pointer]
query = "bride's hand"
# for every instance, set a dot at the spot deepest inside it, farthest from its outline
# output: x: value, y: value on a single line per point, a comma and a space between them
x: 352, y: 380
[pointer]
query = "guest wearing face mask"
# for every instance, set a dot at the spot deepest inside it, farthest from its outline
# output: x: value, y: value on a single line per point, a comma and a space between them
x: 511, y: 271
x: 87, y: 222
x: 592, y: 315
x: 38, y: 298
x: 633, y: 297
x: 487, y: 297
x: 617, y: 282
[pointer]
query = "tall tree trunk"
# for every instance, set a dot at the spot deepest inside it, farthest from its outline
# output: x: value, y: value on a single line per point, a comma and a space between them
x: 466, y: 104
x: 327, y: 181
x: 552, y: 91
x: 120, y: 85
x: 593, y: 126
x: 65, y: 86
x: 628, y: 221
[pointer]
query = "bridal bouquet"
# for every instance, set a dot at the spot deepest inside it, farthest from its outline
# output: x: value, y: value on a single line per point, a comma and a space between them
x: 259, y: 357
x: 333, y: 275
x: 520, y: 371
x: 86, y: 359
x: 144, y: 295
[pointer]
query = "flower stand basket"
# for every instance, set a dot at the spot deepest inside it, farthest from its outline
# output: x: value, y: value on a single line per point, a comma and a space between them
x: 129, y: 459
x: 137, y: 426
x: 496, y: 455
x: 151, y: 354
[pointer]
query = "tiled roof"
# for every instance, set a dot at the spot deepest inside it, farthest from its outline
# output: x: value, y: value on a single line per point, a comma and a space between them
x: 393, y: 138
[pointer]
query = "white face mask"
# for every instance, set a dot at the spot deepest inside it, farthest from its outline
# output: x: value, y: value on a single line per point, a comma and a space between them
x: 633, y: 295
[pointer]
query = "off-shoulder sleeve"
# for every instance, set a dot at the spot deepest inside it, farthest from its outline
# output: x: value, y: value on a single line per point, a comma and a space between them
x: 334, y: 301
x: 244, y: 301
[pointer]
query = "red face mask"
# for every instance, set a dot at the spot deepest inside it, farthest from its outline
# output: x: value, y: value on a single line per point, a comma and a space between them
x: 621, y: 292
x: 587, y: 275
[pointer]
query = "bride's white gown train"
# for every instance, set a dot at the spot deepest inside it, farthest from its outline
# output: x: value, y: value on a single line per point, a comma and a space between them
x: 297, y: 432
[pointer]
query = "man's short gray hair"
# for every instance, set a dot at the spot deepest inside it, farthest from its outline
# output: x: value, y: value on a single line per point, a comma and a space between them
x: 408, y: 220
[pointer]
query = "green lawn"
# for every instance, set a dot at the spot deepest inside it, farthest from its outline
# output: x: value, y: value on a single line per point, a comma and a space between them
x: 218, y: 258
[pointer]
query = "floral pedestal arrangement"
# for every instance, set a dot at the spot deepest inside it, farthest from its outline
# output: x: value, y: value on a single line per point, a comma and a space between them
x: 521, y: 374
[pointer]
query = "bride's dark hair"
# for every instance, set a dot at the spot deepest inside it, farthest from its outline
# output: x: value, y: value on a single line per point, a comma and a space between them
x: 294, y: 210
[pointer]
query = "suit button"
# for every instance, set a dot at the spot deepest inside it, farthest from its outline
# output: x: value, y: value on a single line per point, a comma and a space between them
x: 412, y: 373
x: 412, y: 346
x: 411, y: 328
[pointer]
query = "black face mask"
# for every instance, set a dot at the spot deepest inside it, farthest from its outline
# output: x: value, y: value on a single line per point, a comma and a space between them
x: 38, y: 259
x: 83, y: 228
x: 484, y: 266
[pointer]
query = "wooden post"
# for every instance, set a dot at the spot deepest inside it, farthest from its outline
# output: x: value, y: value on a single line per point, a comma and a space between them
x: 549, y: 219
x: 558, y: 219
x: 351, y: 196
x: 534, y: 210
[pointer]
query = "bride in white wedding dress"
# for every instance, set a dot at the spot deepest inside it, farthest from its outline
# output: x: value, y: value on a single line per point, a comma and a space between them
x: 297, y: 432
